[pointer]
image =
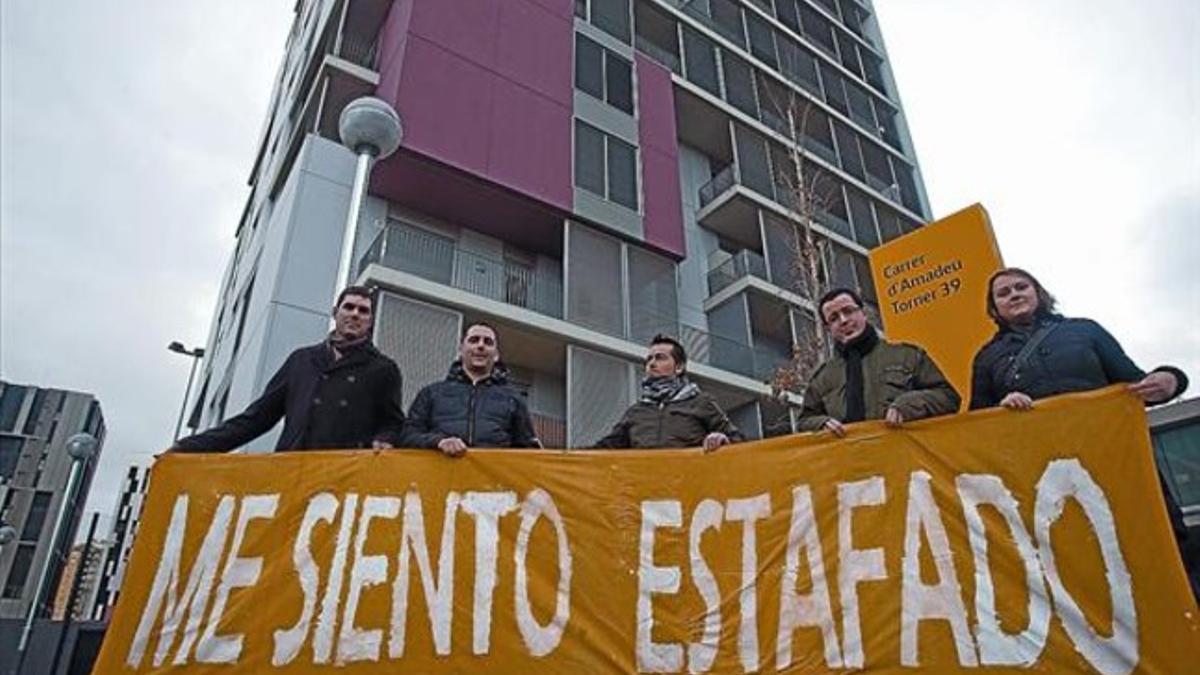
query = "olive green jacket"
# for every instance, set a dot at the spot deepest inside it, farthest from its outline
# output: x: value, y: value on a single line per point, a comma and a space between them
x: 676, y: 424
x: 894, y: 374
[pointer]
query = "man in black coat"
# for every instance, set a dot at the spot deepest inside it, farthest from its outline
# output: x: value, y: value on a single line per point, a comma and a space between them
x: 339, y: 393
x: 473, y: 407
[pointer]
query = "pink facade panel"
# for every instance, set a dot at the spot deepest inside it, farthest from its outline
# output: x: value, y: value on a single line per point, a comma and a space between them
x: 536, y: 155
x: 445, y: 103
x: 465, y: 27
x: 530, y: 50
x: 485, y: 86
x: 663, y: 208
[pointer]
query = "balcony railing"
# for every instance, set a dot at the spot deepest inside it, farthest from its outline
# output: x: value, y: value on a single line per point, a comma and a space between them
x: 427, y: 255
x: 742, y: 264
x: 659, y: 54
x: 359, y: 50
x: 721, y: 182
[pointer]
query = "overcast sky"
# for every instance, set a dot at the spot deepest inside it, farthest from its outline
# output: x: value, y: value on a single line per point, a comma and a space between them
x: 128, y: 129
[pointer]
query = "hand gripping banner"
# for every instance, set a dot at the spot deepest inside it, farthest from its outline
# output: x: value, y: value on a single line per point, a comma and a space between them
x: 994, y: 541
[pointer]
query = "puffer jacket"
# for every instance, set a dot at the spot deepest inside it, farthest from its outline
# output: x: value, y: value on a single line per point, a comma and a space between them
x: 485, y: 414
x: 1077, y: 355
x: 679, y: 423
x: 894, y: 374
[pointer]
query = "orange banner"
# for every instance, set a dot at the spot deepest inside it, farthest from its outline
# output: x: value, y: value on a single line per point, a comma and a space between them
x: 995, y: 540
x: 932, y: 288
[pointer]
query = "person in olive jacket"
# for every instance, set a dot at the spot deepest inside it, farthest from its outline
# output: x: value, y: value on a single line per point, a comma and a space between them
x: 473, y: 407
x: 672, y: 412
x: 339, y: 393
x: 869, y: 378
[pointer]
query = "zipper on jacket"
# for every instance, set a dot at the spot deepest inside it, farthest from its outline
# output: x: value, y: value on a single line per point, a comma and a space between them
x: 471, y: 416
x: 662, y: 405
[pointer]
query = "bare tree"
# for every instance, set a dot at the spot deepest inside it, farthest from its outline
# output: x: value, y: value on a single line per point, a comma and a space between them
x: 808, y: 192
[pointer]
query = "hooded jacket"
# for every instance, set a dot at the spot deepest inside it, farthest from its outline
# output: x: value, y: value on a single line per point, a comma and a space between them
x: 484, y: 414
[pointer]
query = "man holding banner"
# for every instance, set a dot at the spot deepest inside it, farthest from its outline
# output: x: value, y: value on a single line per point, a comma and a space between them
x: 672, y: 412
x: 339, y: 393
x: 473, y: 407
x: 870, y: 378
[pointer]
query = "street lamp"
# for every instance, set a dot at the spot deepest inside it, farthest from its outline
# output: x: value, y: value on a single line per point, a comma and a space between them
x: 371, y: 128
x: 196, y: 354
x: 81, y: 447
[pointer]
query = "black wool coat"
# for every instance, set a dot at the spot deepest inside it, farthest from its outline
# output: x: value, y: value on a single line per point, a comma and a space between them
x: 325, y: 404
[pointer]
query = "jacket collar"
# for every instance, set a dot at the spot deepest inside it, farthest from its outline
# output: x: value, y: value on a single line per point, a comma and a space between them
x: 498, y: 377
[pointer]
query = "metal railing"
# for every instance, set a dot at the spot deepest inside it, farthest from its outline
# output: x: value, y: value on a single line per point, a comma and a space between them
x: 359, y: 50
x: 666, y: 58
x: 741, y: 264
x: 430, y: 256
x: 427, y: 255
x: 719, y: 183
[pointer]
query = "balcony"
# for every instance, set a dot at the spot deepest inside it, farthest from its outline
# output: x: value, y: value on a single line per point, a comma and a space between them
x: 741, y: 264
x: 430, y: 256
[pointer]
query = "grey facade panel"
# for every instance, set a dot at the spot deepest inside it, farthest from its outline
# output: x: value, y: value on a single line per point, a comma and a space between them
x: 600, y: 389
x: 422, y: 339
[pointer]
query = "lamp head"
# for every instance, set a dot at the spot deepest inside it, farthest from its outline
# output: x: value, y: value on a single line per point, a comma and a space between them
x: 81, y: 446
x: 371, y: 125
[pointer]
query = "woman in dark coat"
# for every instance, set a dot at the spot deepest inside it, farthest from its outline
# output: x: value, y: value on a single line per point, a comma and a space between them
x: 1038, y: 353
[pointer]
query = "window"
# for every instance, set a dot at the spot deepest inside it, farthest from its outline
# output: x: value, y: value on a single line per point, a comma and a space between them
x: 605, y: 165
x: 32, y: 530
x: 19, y: 572
x: 241, y: 326
x: 610, y: 16
x: 1179, y: 455
x: 10, y: 455
x: 35, y: 411
x: 700, y: 59
x: 10, y: 405
x: 603, y: 75
x: 762, y: 40
x: 739, y: 84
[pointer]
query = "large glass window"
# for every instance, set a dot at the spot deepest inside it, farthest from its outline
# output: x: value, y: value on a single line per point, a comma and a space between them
x: 622, y: 173
x: 19, y: 572
x: 37, y: 516
x: 610, y: 16
x: 762, y: 40
x: 603, y: 75
x: 35, y: 411
x: 10, y: 405
x: 589, y: 158
x: 700, y: 61
x: 739, y: 84
x: 10, y: 455
x: 1179, y: 455
x: 605, y: 165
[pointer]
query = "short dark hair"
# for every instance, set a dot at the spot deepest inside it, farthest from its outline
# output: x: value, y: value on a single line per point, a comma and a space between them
x: 677, y: 351
x: 1047, y: 304
x: 833, y: 293
x: 483, y: 324
x: 360, y: 291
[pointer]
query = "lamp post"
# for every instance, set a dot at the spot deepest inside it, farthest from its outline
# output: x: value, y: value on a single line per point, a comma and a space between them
x: 81, y: 447
x: 196, y: 354
x: 371, y: 128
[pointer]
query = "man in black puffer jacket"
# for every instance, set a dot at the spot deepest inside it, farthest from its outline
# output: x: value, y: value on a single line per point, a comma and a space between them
x: 473, y: 407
